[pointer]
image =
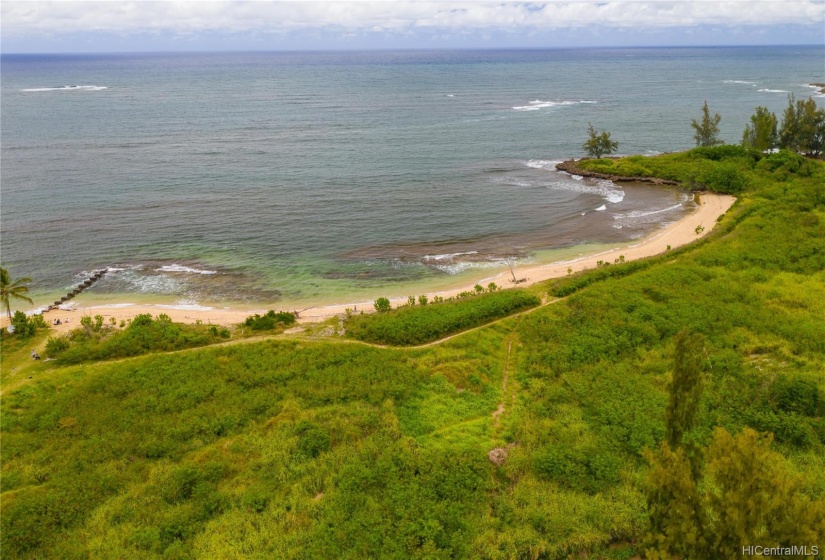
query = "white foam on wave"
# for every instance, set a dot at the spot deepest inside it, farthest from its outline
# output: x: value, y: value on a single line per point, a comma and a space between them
x: 606, y: 189
x: 151, y: 284
x: 539, y: 104
x: 461, y: 266
x: 519, y: 183
x: 543, y: 163
x: 601, y: 208
x: 450, y: 95
x: 774, y: 90
x: 643, y: 214
x: 446, y: 256
x: 66, y: 88
x: 36, y: 310
x: 186, y: 269
x: 739, y: 82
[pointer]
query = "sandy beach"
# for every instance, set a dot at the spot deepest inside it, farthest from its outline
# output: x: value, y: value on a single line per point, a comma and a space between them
x: 679, y: 233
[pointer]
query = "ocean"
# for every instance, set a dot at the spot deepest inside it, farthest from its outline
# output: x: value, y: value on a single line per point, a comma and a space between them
x: 274, y: 178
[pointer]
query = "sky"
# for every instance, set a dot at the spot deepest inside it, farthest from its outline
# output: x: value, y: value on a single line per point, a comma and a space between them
x: 162, y: 26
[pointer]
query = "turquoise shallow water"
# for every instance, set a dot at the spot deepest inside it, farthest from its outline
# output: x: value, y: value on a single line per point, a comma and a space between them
x: 225, y: 178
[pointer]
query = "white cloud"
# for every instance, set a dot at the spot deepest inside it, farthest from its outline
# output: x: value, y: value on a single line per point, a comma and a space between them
x: 21, y: 18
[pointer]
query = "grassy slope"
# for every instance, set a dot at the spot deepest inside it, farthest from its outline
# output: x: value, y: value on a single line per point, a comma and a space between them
x: 309, y: 450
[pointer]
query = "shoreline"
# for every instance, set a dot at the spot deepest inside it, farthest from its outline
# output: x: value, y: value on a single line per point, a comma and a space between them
x: 679, y: 233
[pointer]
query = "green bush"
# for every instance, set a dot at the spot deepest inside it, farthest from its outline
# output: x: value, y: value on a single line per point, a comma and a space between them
x: 797, y: 395
x: 382, y: 305
x: 727, y: 151
x: 783, y: 159
x: 25, y: 326
x: 588, y: 470
x: 312, y: 439
x: 420, y: 324
x: 56, y: 346
x: 270, y: 320
x: 724, y: 178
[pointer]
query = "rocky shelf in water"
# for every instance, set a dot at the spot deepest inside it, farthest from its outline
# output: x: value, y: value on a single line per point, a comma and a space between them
x: 570, y: 166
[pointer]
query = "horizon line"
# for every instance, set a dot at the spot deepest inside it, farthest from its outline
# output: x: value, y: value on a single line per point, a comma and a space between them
x: 414, y: 49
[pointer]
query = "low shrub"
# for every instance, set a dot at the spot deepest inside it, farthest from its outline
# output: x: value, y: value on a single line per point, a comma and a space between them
x: 382, y: 305
x: 56, y: 345
x: 270, y: 320
x: 144, y: 334
x: 420, y: 324
x: 727, y: 151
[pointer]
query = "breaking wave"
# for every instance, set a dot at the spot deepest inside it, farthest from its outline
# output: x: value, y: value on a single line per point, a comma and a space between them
x: 66, y: 88
x: 539, y: 104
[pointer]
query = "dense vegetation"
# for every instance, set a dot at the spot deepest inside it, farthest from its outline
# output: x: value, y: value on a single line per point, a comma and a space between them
x: 724, y: 169
x: 413, y: 325
x: 94, y: 340
x: 299, y: 449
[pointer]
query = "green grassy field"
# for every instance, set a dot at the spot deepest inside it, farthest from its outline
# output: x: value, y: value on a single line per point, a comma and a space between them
x: 304, y: 448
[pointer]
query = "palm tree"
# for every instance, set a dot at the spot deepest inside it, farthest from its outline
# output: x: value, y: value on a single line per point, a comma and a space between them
x: 9, y: 289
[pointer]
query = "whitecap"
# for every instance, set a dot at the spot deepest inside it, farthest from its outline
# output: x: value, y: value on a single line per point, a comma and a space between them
x: 601, y: 208
x: 739, y: 82
x: 539, y: 104
x: 66, y: 88
x: 181, y: 268
x: 774, y: 90
x: 450, y: 95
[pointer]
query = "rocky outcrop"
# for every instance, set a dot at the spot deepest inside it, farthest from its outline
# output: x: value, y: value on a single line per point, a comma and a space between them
x: 570, y: 166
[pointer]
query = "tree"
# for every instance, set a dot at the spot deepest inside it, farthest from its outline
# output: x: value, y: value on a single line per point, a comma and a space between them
x: 599, y: 145
x: 761, y: 133
x: 685, y: 388
x: 16, y: 290
x: 674, y: 506
x: 803, y: 127
x: 707, y: 132
x: 745, y: 494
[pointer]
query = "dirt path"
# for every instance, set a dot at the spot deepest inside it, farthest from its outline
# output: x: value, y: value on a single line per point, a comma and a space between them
x: 501, y: 408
